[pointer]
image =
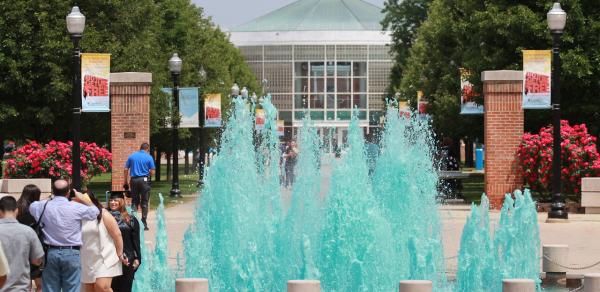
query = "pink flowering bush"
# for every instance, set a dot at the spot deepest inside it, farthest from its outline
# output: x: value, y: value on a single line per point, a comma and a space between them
x: 53, y: 160
x: 579, y: 157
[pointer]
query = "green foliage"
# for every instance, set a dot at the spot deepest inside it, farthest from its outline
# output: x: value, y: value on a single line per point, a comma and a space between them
x: 141, y: 35
x: 490, y: 35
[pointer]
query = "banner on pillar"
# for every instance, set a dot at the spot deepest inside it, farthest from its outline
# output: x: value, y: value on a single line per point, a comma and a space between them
x: 468, y: 104
x: 188, y: 107
x: 212, y: 110
x: 280, y: 128
x: 260, y: 116
x: 95, y: 82
x: 404, y: 108
x: 537, y: 68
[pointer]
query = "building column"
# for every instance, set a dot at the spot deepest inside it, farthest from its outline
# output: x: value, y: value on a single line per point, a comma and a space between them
x: 129, y: 118
x: 503, y: 129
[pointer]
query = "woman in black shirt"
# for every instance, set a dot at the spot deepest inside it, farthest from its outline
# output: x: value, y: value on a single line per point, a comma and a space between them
x: 30, y: 194
x: 130, y: 230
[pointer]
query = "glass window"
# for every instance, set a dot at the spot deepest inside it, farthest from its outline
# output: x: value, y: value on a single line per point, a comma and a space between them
x: 359, y: 85
x: 360, y: 101
x: 316, y: 115
x: 300, y: 101
x: 343, y: 101
x: 330, y: 84
x: 359, y: 69
x: 301, y: 85
x: 374, y: 117
x: 317, y: 101
x: 343, y: 69
x: 330, y: 68
x: 317, y: 69
x: 330, y: 101
x: 362, y: 115
x: 330, y: 115
x: 285, y: 115
x: 298, y: 115
x: 343, y: 85
x: 301, y: 69
x: 344, y: 115
x: 317, y: 84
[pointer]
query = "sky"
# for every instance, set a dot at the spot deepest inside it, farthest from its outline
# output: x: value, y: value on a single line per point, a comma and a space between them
x: 230, y: 13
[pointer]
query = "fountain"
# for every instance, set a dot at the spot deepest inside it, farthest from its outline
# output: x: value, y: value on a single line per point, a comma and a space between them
x: 355, y: 234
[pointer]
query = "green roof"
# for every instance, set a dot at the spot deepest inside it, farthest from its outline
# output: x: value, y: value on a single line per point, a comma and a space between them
x: 323, y: 15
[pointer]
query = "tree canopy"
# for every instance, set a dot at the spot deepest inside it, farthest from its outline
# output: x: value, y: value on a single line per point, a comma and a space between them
x: 484, y: 35
x: 141, y: 35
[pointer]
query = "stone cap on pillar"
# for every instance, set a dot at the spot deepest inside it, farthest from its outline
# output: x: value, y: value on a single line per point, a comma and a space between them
x: 131, y: 77
x: 502, y: 75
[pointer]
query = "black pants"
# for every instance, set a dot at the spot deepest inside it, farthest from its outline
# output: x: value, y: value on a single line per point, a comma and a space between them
x: 140, y: 194
x: 124, y: 282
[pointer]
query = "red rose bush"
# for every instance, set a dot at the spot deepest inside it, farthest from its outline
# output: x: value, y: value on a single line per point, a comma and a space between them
x: 53, y: 160
x: 579, y: 157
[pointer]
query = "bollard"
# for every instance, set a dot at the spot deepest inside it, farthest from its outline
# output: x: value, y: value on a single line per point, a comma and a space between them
x: 553, y: 254
x: 191, y: 285
x: 518, y: 285
x: 303, y: 286
x: 591, y: 282
x: 416, y: 286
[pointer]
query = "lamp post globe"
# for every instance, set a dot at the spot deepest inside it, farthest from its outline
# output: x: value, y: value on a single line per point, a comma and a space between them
x: 244, y: 92
x: 75, y: 26
x: 235, y: 90
x: 175, y: 64
x: 202, y: 74
x: 557, y: 19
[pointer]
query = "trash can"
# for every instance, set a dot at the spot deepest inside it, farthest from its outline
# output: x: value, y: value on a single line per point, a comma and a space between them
x: 479, y: 159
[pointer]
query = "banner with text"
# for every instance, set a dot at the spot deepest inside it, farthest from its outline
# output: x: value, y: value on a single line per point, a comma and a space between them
x: 468, y: 105
x: 260, y: 118
x: 537, y: 68
x: 280, y: 128
x: 212, y: 110
x: 95, y: 82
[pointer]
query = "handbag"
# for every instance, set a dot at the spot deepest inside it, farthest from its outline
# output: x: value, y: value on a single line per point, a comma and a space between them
x: 38, y: 227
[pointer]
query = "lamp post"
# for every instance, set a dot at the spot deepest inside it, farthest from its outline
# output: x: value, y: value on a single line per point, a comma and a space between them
x: 556, y: 23
x: 202, y: 77
x: 175, y: 68
x: 235, y: 90
x: 75, y: 26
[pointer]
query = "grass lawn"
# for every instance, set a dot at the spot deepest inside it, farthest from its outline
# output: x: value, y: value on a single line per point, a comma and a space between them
x: 473, y: 188
x: 187, y: 183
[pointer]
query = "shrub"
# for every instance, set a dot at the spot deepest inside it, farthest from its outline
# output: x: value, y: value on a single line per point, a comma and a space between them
x: 53, y: 160
x: 579, y: 158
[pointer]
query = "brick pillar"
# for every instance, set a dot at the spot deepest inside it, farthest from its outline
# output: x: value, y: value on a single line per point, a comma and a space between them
x: 129, y: 118
x: 503, y: 128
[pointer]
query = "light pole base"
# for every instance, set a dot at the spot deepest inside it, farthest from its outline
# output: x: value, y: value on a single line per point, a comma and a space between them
x: 175, y: 193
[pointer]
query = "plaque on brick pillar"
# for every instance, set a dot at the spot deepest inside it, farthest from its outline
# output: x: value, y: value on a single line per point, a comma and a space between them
x: 130, y: 118
x: 503, y: 129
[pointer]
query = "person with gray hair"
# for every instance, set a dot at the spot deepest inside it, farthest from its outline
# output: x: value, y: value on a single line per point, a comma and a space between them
x: 61, y: 221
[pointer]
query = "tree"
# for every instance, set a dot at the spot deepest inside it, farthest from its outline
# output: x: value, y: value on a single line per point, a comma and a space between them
x: 490, y: 35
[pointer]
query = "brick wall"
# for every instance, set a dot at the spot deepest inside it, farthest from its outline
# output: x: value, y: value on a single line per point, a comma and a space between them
x: 503, y: 128
x: 130, y: 118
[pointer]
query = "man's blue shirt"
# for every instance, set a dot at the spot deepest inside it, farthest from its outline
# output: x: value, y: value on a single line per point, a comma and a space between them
x: 139, y: 164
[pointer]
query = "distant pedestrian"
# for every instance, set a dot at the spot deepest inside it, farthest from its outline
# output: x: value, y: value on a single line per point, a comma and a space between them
x: 4, y: 270
x: 102, y: 250
x: 21, y: 247
x: 291, y: 157
x: 139, y: 168
x: 61, y: 221
x: 130, y: 231
x: 30, y: 194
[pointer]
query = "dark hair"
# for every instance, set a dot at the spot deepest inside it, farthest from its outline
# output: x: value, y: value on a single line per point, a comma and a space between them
x: 60, y: 191
x: 144, y: 146
x: 96, y: 203
x: 8, y: 204
x: 30, y: 194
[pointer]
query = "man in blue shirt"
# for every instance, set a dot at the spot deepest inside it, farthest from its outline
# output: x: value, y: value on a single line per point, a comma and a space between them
x: 139, y: 168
